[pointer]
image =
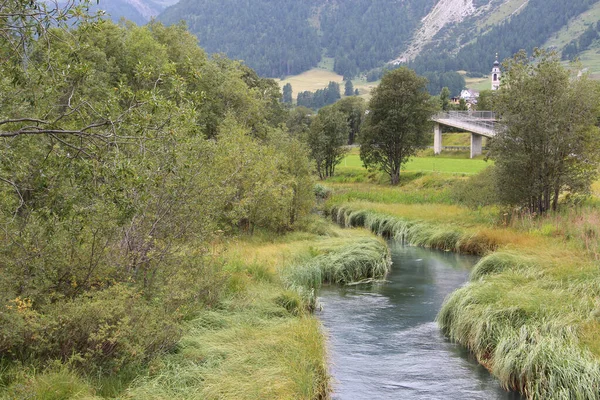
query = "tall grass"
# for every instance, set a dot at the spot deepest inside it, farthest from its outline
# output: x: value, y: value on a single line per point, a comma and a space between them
x: 262, y: 342
x: 415, y: 232
x: 530, y: 312
x: 367, y: 258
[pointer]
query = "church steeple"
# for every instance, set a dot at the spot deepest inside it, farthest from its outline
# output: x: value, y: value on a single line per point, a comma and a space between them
x: 496, y: 74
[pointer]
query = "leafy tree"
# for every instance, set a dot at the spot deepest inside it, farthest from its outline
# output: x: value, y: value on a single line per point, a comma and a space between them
x: 548, y: 143
x: 287, y: 93
x: 485, y: 102
x: 348, y: 88
x: 326, y: 139
x: 398, y: 122
x: 354, y: 109
x: 298, y: 121
x: 445, y: 98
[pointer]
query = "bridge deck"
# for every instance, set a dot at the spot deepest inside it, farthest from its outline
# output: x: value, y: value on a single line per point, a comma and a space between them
x: 479, y: 122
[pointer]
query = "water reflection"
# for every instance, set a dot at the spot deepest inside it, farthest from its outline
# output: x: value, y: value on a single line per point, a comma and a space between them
x: 384, y: 343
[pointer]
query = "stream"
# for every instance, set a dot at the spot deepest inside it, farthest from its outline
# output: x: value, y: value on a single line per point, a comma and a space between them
x: 384, y: 343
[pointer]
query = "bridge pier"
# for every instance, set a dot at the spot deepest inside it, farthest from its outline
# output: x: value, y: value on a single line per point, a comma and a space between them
x: 437, y: 139
x: 476, y: 144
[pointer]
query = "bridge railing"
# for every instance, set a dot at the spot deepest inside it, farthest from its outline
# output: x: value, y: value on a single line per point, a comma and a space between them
x: 483, y: 119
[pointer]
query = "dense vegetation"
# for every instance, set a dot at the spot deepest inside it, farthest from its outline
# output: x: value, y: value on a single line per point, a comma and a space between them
x: 278, y: 39
x: 320, y: 97
x: 283, y: 38
x: 275, y: 38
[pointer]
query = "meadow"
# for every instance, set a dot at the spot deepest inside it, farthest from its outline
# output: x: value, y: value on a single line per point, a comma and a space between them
x: 444, y: 163
x: 530, y: 312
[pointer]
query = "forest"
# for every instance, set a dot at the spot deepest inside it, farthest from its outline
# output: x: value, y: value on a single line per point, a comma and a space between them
x: 286, y: 38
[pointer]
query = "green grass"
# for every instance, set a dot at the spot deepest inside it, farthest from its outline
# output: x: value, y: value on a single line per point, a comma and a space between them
x: 423, y: 164
x: 530, y: 312
x: 263, y: 342
x: 574, y: 28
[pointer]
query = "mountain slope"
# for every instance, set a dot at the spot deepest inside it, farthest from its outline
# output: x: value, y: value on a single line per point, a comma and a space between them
x: 138, y: 11
x: 283, y: 37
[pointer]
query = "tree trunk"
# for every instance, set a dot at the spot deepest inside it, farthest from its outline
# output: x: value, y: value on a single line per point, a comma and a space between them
x: 395, y: 176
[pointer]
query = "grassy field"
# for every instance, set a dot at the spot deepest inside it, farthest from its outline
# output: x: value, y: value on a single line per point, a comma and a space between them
x: 319, y: 78
x: 530, y: 313
x: 441, y: 164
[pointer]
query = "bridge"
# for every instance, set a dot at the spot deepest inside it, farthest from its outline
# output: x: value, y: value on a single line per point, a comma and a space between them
x: 479, y: 123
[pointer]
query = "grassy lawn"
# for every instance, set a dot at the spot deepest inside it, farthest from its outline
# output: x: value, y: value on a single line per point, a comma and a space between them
x: 422, y: 164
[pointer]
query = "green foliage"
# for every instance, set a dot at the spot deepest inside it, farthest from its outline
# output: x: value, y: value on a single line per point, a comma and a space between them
x: 348, y: 88
x: 398, y: 122
x: 549, y: 142
x: 476, y: 191
x: 320, y: 98
x: 354, y: 108
x: 127, y: 154
x: 287, y: 94
x: 326, y: 139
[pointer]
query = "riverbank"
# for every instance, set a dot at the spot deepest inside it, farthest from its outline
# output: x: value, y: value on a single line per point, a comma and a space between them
x: 260, y: 339
x: 530, y: 312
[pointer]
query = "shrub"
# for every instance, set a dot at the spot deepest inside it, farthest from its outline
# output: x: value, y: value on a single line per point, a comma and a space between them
x: 104, y: 330
x: 476, y: 191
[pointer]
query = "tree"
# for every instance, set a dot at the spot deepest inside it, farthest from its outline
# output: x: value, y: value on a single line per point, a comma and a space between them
x: 398, y: 122
x: 287, y: 94
x: 326, y: 139
x: 485, y: 101
x: 445, y: 98
x: 548, y: 143
x: 354, y: 109
x: 348, y: 88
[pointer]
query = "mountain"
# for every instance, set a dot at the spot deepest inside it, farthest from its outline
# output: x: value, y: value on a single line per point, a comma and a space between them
x: 285, y: 37
x: 138, y: 11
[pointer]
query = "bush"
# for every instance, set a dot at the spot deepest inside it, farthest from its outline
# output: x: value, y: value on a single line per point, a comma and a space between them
x: 476, y: 191
x: 100, y: 331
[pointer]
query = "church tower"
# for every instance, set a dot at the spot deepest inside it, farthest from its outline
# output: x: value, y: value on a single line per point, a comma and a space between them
x: 496, y: 74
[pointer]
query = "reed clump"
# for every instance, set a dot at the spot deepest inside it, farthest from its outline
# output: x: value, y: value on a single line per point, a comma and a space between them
x: 415, y: 232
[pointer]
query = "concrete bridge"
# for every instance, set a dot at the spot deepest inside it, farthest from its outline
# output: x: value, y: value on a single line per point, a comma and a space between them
x: 479, y: 123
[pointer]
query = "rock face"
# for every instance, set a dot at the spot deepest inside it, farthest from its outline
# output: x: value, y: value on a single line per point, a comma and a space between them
x: 445, y: 12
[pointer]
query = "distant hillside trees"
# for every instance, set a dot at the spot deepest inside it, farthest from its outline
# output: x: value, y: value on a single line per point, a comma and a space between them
x: 287, y: 94
x: 321, y: 97
x: 572, y: 50
x: 273, y: 37
x: 526, y: 30
x: 348, y: 88
x: 550, y: 142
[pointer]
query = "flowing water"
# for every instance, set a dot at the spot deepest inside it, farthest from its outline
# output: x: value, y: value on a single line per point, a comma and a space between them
x: 383, y: 342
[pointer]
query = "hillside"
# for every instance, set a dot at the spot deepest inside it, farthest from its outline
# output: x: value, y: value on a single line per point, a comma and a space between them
x: 285, y: 37
x: 138, y: 11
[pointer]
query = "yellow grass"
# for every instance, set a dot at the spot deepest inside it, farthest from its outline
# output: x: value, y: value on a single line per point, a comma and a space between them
x: 312, y: 80
x: 319, y: 78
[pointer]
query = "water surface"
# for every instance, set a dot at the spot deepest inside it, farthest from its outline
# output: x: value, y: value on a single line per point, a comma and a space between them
x: 383, y: 342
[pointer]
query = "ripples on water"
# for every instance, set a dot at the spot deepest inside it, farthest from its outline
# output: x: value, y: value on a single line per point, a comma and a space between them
x: 383, y: 342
